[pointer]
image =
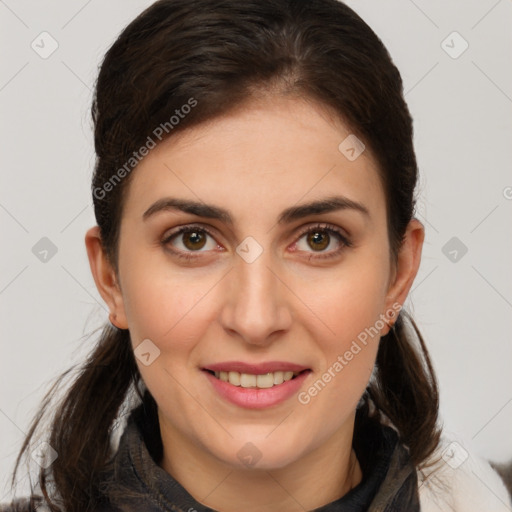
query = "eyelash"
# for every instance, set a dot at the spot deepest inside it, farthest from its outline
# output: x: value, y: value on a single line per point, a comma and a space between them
x: 328, y: 228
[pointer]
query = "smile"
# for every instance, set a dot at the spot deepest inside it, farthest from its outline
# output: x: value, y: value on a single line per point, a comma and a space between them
x: 256, y: 386
x: 262, y: 381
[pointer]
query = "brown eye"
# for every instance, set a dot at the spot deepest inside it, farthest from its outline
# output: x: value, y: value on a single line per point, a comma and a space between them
x: 194, y: 240
x: 322, y: 241
x: 318, y: 240
x: 190, y: 239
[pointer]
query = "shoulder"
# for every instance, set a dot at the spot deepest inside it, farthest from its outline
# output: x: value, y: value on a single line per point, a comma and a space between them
x: 456, y: 479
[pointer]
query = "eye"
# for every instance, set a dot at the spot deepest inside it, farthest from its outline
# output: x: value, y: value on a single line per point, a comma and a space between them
x: 190, y: 239
x: 322, y: 238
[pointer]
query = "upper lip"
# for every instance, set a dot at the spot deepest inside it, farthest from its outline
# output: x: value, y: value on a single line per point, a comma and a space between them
x: 255, y: 369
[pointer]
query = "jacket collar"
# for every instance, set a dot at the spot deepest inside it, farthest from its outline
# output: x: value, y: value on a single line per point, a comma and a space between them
x: 135, y: 481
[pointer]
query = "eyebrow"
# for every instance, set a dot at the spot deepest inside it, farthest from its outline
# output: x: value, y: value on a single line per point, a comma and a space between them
x: 329, y: 204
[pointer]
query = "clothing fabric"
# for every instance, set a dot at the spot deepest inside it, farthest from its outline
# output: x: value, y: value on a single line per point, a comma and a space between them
x: 459, y: 481
x: 389, y: 481
x: 454, y: 481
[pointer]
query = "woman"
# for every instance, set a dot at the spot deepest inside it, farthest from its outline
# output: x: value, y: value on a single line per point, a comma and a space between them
x: 256, y: 240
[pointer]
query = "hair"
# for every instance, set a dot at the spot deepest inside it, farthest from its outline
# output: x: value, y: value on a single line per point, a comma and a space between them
x: 215, y: 56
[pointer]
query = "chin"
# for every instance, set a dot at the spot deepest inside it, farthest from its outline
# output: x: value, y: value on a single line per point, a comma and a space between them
x: 260, y: 453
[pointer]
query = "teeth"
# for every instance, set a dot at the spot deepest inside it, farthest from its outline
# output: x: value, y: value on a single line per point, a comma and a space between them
x: 234, y: 378
x: 265, y: 381
x: 278, y: 377
x: 247, y: 380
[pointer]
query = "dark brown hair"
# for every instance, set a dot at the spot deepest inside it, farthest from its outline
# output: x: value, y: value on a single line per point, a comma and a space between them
x: 216, y: 55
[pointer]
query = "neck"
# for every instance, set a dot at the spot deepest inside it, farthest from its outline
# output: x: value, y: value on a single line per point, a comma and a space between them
x: 315, y: 479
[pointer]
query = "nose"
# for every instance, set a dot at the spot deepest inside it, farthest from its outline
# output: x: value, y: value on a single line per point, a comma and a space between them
x: 256, y: 304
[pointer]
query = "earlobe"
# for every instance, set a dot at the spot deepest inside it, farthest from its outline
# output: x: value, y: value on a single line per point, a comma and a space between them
x: 105, y: 277
x: 407, y: 265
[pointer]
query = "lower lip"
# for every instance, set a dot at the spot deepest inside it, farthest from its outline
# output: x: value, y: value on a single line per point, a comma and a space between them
x: 256, y: 398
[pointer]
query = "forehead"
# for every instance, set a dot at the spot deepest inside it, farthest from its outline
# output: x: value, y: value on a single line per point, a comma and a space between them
x: 264, y: 156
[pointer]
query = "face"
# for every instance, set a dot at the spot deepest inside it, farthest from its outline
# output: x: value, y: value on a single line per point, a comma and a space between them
x: 254, y: 266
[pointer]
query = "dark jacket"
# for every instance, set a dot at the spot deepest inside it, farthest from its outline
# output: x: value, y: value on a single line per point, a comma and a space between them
x: 134, y: 481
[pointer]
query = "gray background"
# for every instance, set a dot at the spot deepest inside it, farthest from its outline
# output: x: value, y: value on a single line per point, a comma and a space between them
x: 461, y: 106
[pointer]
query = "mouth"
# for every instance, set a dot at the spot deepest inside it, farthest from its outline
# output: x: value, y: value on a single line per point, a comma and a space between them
x: 256, y: 386
x: 256, y: 381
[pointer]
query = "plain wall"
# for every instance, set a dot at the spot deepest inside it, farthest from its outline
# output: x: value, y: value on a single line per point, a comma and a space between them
x: 463, y: 126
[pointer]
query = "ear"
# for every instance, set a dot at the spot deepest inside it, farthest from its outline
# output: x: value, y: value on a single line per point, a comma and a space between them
x: 105, y: 277
x: 406, y: 268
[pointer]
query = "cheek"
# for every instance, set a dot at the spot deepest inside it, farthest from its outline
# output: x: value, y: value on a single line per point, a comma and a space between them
x: 346, y: 326
x: 349, y: 300
x: 165, y: 309
x: 173, y: 310
x: 161, y: 303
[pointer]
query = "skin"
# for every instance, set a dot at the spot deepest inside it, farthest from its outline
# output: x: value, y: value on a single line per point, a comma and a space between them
x: 287, y: 305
